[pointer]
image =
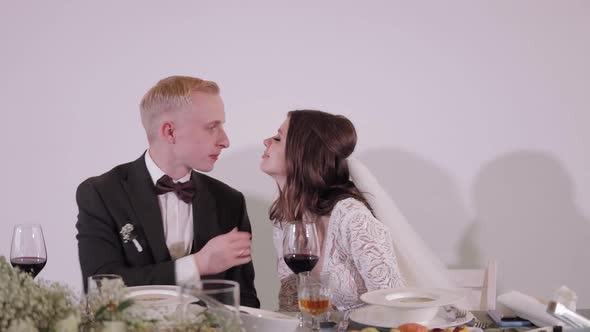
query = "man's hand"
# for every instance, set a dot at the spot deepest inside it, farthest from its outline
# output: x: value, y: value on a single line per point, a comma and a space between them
x: 224, y: 251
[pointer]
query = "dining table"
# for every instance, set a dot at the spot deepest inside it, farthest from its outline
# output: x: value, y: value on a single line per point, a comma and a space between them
x: 479, y: 316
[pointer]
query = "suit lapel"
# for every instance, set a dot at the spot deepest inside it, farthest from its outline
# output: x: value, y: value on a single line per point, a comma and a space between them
x: 140, y: 188
x: 205, y: 222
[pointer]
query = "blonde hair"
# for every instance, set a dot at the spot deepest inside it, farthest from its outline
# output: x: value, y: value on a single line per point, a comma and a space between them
x: 170, y: 95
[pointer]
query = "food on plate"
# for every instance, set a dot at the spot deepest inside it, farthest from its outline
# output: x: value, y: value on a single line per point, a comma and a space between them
x: 149, y: 298
x: 412, y: 327
x: 450, y: 329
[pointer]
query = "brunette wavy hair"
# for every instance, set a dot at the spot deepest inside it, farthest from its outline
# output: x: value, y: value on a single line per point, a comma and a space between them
x: 317, y: 146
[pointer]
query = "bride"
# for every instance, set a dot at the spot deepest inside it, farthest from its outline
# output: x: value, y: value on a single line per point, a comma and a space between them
x: 307, y: 159
x: 366, y: 244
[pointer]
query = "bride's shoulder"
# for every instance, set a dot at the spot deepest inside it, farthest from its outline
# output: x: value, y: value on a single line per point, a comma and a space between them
x: 350, y: 206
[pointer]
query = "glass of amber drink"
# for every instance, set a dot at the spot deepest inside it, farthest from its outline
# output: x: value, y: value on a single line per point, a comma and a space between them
x: 313, y: 293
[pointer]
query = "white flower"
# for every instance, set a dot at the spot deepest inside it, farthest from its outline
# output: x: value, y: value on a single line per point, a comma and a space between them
x: 25, y: 325
x: 68, y: 324
x: 127, y: 233
x: 28, y: 305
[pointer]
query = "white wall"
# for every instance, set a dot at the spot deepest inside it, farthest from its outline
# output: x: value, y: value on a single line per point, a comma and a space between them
x: 474, y: 115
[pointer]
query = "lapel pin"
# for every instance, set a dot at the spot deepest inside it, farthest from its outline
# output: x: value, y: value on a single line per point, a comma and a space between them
x: 128, y: 235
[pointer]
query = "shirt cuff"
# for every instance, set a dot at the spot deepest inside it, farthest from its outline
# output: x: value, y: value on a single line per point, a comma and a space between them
x: 186, y: 270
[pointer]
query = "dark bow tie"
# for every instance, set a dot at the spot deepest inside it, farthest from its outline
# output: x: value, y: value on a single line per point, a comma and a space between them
x: 185, y: 190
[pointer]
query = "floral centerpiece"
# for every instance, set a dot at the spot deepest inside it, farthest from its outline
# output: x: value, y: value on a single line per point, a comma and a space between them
x: 107, y: 307
x: 28, y: 305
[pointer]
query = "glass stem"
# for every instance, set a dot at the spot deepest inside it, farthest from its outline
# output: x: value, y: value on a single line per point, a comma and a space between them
x: 300, y: 316
x: 315, y: 323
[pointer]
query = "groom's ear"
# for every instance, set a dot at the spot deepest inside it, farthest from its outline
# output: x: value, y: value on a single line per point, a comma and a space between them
x: 167, y: 131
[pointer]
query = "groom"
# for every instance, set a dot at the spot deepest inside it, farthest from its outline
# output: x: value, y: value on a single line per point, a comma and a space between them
x: 157, y: 221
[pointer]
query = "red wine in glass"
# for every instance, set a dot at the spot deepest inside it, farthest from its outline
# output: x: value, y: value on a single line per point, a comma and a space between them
x: 28, y: 251
x: 301, y: 262
x: 301, y: 249
x: 32, y: 265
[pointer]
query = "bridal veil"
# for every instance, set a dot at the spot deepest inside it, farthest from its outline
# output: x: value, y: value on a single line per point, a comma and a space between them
x: 418, y: 264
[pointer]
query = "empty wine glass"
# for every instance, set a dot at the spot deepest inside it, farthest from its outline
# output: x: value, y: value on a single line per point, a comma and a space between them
x: 211, y: 302
x: 301, y: 249
x: 95, y: 296
x: 95, y: 282
x: 28, y: 251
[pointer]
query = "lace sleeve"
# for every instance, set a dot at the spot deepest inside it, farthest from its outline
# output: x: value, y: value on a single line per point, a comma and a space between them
x: 372, y: 251
x: 288, y: 291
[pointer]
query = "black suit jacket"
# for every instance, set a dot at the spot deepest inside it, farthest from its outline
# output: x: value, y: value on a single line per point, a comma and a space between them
x: 126, y: 195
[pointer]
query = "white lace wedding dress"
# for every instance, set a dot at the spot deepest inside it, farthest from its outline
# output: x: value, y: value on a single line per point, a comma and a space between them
x: 358, y: 254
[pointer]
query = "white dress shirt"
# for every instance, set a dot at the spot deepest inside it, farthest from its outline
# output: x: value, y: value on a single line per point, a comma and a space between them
x: 177, y: 217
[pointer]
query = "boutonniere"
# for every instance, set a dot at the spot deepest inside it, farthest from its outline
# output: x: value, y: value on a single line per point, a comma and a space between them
x: 128, y: 235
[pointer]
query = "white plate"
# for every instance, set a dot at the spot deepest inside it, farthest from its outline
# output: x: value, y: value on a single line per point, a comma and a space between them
x: 378, y: 316
x: 261, y: 313
x: 159, y: 302
x: 412, y: 297
x: 258, y: 320
x: 154, y: 295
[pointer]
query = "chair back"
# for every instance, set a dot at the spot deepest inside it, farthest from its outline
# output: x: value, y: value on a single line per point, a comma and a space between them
x: 480, y: 285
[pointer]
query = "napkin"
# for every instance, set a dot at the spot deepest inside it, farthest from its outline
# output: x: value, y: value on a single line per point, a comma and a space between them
x: 529, y: 308
x: 567, y: 297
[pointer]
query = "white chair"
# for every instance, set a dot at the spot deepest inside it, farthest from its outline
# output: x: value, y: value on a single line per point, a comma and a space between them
x: 480, y: 285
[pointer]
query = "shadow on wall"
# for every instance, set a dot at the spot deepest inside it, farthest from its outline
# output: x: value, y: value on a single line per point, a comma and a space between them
x: 527, y: 218
x: 429, y: 198
x: 240, y: 170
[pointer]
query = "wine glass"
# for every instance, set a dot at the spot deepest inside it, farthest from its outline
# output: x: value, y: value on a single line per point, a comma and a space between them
x: 214, y: 300
x: 313, y: 293
x: 95, y: 282
x: 28, y: 251
x: 95, y: 296
x: 301, y: 248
